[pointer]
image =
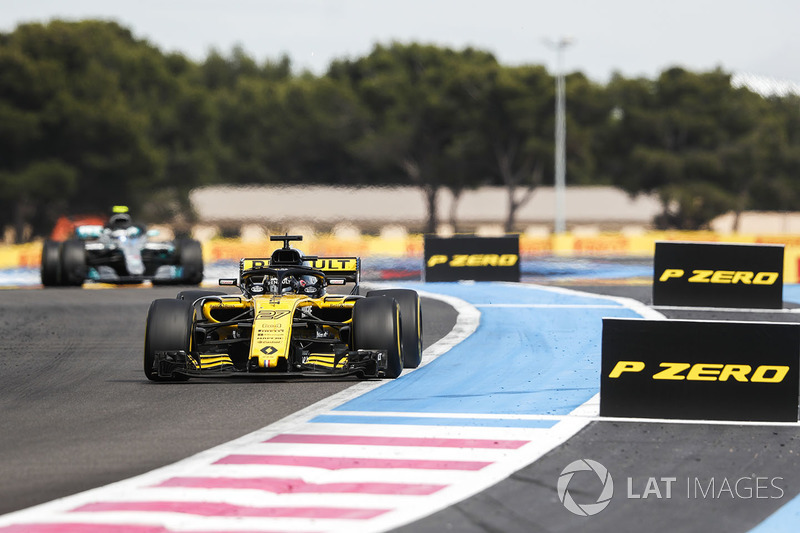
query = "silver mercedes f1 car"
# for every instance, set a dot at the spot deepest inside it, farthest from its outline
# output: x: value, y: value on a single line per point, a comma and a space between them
x: 120, y: 252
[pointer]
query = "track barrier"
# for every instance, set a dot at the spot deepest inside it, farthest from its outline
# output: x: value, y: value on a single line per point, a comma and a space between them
x: 718, y: 275
x: 472, y: 258
x: 567, y: 245
x: 702, y: 370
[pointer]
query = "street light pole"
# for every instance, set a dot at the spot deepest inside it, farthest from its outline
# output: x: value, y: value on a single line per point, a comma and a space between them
x: 560, y: 225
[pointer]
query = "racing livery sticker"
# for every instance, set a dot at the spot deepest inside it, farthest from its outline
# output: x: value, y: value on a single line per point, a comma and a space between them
x: 693, y: 369
x: 472, y: 258
x: 271, y: 329
x: 254, y: 264
x: 335, y: 264
x: 718, y: 275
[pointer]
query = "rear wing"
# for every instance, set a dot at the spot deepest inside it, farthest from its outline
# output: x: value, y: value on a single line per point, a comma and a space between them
x: 341, y: 269
x: 338, y: 270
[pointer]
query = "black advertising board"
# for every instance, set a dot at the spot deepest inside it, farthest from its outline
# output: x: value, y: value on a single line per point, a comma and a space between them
x: 472, y: 258
x: 718, y: 275
x: 700, y: 370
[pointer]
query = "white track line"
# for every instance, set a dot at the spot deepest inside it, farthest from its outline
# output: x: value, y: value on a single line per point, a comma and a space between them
x: 467, y: 322
x: 460, y: 484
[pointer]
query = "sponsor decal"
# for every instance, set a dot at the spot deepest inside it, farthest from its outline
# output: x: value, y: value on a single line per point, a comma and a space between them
x: 472, y: 258
x: 269, y: 350
x: 718, y: 275
x: 253, y: 264
x: 272, y: 314
x: 722, y: 276
x: 335, y: 264
x: 706, y: 370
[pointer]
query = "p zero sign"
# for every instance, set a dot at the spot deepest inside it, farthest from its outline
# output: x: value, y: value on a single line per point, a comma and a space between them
x: 700, y: 369
x: 472, y: 258
x: 718, y: 275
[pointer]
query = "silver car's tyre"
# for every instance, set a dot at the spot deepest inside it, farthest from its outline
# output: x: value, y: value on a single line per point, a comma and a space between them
x: 190, y: 257
x: 73, y: 263
x: 51, y: 264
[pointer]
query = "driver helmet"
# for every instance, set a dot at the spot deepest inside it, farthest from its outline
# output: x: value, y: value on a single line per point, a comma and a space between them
x: 119, y: 221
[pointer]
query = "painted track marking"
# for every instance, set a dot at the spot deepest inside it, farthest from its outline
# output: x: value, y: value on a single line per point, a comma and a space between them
x: 205, y: 491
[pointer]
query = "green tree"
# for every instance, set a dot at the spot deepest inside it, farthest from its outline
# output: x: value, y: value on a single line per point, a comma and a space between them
x: 129, y: 120
x: 415, y: 95
x: 673, y: 136
x: 77, y: 126
x: 516, y: 131
x: 291, y: 131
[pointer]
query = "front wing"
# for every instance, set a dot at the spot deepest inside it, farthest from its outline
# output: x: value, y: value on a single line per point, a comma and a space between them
x: 361, y: 363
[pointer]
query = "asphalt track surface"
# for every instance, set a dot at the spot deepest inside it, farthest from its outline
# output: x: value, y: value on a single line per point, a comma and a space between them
x: 694, y: 454
x: 77, y: 413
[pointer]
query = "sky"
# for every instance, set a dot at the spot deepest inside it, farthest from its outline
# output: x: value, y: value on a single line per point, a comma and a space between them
x: 631, y: 37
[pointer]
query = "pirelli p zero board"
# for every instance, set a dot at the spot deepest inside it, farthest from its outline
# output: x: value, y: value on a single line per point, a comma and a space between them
x: 718, y: 275
x: 472, y: 258
x: 702, y: 370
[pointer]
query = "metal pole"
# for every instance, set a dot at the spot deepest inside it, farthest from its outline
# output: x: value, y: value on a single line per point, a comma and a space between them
x: 560, y: 225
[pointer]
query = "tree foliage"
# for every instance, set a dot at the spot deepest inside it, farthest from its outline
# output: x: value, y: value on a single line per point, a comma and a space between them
x: 91, y: 116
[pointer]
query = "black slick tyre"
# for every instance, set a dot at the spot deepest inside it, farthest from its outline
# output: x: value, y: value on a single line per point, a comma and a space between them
x: 170, y: 327
x: 376, y: 326
x: 410, y: 323
x: 51, y: 264
x: 73, y: 263
x: 190, y: 257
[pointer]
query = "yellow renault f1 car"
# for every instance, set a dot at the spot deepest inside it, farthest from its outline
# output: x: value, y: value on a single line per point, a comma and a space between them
x: 285, y: 323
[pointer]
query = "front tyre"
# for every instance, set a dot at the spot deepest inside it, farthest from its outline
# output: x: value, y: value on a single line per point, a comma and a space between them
x: 170, y: 327
x: 51, y: 264
x: 376, y: 326
x: 73, y: 263
x: 410, y: 323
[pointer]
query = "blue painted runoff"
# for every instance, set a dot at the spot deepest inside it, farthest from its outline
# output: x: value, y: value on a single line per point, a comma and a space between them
x: 791, y: 293
x: 519, y: 361
x: 434, y: 421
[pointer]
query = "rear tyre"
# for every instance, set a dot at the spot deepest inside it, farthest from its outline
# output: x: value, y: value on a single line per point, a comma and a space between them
x: 51, y: 264
x: 376, y: 326
x: 410, y: 323
x: 170, y: 327
x: 73, y: 263
x: 190, y: 257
